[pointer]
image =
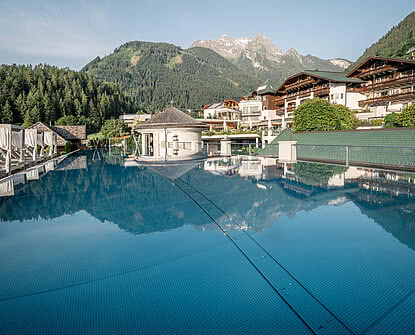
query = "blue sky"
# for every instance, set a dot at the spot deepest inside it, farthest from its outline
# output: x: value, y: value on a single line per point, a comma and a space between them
x: 71, y: 33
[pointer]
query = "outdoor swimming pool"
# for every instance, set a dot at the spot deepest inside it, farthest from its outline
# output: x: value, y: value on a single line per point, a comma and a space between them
x: 239, y: 245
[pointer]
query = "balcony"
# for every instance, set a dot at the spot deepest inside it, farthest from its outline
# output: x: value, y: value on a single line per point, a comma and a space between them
x: 304, y: 94
x: 388, y: 98
x: 280, y: 111
x: 321, y: 91
x: 300, y: 83
x: 291, y: 109
x: 279, y: 101
x: 379, y: 69
x: 388, y: 84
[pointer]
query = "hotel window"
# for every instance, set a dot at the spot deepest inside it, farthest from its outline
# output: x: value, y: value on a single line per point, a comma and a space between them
x: 331, y: 96
x: 341, y: 96
x: 254, y: 109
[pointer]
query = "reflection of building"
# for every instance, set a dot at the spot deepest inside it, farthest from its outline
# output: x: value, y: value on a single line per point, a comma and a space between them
x: 389, y: 85
x: 73, y: 163
x: 170, y: 135
x: 226, y: 166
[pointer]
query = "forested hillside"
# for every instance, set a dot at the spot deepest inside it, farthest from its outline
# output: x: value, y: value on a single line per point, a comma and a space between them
x: 46, y: 93
x: 157, y: 74
x: 395, y: 43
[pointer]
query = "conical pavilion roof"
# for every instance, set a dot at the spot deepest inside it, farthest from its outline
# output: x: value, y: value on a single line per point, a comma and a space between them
x: 171, y: 117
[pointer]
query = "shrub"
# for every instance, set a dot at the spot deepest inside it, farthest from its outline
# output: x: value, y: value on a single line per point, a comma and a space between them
x: 68, y: 147
x: 392, y: 121
x: 407, y: 117
x: 318, y: 114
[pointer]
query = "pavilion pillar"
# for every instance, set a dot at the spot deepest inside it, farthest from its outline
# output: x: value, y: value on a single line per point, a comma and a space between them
x: 287, y: 151
x: 225, y: 147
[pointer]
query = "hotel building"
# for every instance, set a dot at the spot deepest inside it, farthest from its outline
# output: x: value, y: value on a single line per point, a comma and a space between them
x: 389, y: 85
x: 334, y: 87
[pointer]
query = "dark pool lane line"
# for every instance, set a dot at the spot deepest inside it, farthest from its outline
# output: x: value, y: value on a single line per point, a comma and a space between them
x: 318, y: 318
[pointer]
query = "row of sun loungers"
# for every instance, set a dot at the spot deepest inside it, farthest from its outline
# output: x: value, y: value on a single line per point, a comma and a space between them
x: 22, y: 148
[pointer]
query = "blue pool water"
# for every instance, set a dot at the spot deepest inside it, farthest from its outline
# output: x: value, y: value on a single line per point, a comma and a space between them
x: 101, y: 245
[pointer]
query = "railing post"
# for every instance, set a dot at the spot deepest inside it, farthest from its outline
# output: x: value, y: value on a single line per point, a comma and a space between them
x: 347, y: 155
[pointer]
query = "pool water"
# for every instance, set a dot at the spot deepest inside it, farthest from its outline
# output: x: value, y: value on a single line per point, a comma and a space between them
x: 100, y: 245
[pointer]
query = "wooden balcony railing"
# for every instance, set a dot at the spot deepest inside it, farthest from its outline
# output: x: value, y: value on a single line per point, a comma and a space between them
x: 304, y: 94
x: 279, y: 101
x: 321, y: 91
x: 388, y: 98
x: 388, y: 83
x: 380, y: 69
x: 299, y: 84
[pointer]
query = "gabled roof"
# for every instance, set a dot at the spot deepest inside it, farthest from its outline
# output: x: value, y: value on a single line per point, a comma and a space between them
x: 333, y: 76
x: 64, y: 132
x: 215, y: 105
x: 387, y: 59
x: 235, y: 99
x: 71, y: 132
x: 171, y: 117
x: 339, y: 77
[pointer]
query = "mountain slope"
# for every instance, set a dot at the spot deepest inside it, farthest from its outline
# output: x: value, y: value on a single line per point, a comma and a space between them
x: 260, y: 58
x: 395, y: 43
x: 157, y: 74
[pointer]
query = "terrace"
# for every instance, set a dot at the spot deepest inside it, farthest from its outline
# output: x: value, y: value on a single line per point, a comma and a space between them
x: 387, y: 98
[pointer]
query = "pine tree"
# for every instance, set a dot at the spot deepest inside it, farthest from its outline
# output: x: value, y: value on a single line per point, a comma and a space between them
x: 7, y: 114
x: 49, y: 111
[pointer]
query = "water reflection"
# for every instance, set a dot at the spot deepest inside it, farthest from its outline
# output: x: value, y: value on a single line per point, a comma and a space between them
x: 254, y: 191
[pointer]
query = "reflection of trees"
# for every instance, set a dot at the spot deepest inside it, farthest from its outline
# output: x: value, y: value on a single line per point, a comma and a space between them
x: 136, y: 199
x: 139, y: 200
x: 316, y: 174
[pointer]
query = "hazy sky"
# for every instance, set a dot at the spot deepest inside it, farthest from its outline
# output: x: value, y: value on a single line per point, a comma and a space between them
x: 71, y: 33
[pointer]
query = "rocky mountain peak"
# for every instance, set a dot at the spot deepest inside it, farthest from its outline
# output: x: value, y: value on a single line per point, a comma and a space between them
x: 232, y: 48
x: 259, y: 57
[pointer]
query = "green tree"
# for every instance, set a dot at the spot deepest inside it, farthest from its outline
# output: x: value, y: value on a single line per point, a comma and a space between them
x: 67, y: 120
x: 32, y: 116
x: 320, y: 115
x: 392, y: 121
x: 407, y: 117
x: 7, y: 114
x: 345, y: 118
x: 46, y: 93
x: 114, y: 128
x: 48, y: 109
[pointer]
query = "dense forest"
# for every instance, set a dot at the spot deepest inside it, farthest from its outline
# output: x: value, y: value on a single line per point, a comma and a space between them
x: 396, y: 43
x: 46, y: 93
x: 155, y: 75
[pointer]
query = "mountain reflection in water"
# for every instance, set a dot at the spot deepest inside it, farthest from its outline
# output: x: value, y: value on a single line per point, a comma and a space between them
x: 254, y: 191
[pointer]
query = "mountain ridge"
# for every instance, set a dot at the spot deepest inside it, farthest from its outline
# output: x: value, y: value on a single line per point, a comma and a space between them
x: 395, y: 43
x: 155, y: 75
x: 259, y: 57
